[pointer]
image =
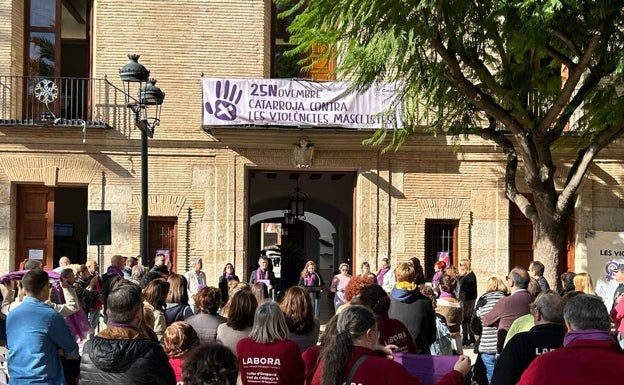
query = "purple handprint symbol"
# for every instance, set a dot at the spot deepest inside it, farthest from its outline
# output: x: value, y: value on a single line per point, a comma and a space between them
x: 227, y: 98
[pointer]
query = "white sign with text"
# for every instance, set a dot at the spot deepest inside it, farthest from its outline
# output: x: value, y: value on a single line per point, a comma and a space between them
x: 285, y: 102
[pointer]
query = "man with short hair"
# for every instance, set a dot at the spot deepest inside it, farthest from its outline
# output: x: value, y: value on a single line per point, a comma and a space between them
x: 590, y: 355
x: 36, y: 335
x: 95, y: 312
x: 122, y: 353
x: 507, y: 309
x: 196, y: 279
x: 536, y: 271
x: 33, y: 264
x: 113, y: 274
x: 63, y: 263
x: 129, y: 264
x: 410, y: 306
x: 262, y: 273
x: 523, y: 348
x: 159, y: 270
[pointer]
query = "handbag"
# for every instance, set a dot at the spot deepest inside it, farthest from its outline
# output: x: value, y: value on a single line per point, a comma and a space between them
x: 475, y: 324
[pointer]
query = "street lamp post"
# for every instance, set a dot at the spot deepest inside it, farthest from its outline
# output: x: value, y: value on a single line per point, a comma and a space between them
x: 148, y: 95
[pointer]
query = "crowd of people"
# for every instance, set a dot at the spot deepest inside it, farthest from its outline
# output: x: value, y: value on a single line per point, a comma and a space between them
x: 134, y: 324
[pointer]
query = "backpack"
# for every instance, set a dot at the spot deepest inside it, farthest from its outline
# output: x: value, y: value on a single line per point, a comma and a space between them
x: 442, y: 345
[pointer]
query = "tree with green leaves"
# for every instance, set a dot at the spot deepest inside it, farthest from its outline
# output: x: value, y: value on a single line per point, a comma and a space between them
x: 533, y: 76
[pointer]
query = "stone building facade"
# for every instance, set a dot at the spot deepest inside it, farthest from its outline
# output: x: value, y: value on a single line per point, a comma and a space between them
x: 200, y: 178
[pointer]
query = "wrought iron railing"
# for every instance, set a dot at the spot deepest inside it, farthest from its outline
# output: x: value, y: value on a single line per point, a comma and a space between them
x: 62, y: 101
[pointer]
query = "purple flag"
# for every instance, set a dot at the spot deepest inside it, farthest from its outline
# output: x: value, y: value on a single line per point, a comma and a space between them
x: 428, y: 369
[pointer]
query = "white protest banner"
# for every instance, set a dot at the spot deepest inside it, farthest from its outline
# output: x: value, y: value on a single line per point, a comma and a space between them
x: 285, y: 102
x: 605, y: 250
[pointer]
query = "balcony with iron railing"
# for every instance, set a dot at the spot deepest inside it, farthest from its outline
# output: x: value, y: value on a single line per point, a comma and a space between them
x: 63, y: 101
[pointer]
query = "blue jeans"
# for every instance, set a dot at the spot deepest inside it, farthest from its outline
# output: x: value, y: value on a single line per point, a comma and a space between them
x: 489, y: 360
x: 94, y: 320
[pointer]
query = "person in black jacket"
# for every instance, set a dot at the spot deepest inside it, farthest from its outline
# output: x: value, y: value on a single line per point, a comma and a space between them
x: 122, y: 353
x: 468, y: 296
x: 523, y: 348
x: 412, y: 308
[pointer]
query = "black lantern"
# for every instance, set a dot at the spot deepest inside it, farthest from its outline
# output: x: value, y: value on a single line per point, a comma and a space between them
x: 133, y: 72
x: 296, y: 203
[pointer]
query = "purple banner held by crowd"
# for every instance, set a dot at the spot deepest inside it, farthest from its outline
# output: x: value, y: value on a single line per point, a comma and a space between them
x: 284, y: 102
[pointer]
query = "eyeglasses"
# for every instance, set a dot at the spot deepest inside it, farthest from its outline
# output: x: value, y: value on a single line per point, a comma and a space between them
x: 344, y: 269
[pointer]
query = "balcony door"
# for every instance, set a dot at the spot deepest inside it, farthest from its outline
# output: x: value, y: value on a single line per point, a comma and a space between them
x: 57, y: 53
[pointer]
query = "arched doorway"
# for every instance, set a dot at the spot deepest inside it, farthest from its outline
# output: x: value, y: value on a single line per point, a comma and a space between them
x: 323, y: 234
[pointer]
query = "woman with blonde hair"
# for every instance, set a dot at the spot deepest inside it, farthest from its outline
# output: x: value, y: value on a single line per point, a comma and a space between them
x: 268, y: 350
x: 494, y: 291
x: 311, y: 278
x: 233, y: 287
x: 583, y: 282
x: 178, y: 340
x: 468, y: 297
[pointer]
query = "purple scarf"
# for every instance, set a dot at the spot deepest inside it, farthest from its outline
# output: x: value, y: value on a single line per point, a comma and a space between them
x: 444, y: 294
x: 589, y: 334
x: 78, y: 323
x: 113, y: 271
x: 260, y: 274
x: 229, y: 277
x: 381, y: 274
x: 310, y: 280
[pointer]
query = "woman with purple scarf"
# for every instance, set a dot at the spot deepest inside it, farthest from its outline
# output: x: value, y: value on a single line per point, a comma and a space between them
x: 385, y: 267
x: 311, y: 278
x: 227, y: 276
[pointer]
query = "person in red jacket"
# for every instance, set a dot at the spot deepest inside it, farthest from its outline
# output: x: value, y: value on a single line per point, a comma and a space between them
x: 590, y: 355
x: 267, y: 356
x: 391, y: 331
x: 356, y: 341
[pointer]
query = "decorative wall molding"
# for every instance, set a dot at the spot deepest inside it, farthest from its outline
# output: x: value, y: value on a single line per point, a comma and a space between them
x: 161, y: 205
x: 442, y: 208
x: 50, y: 171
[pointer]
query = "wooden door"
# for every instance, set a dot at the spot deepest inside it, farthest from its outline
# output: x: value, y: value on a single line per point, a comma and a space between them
x: 520, y: 238
x: 35, y: 224
x: 163, y: 237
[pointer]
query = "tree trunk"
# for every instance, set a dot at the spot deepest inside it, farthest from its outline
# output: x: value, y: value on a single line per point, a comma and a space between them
x: 549, y: 250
